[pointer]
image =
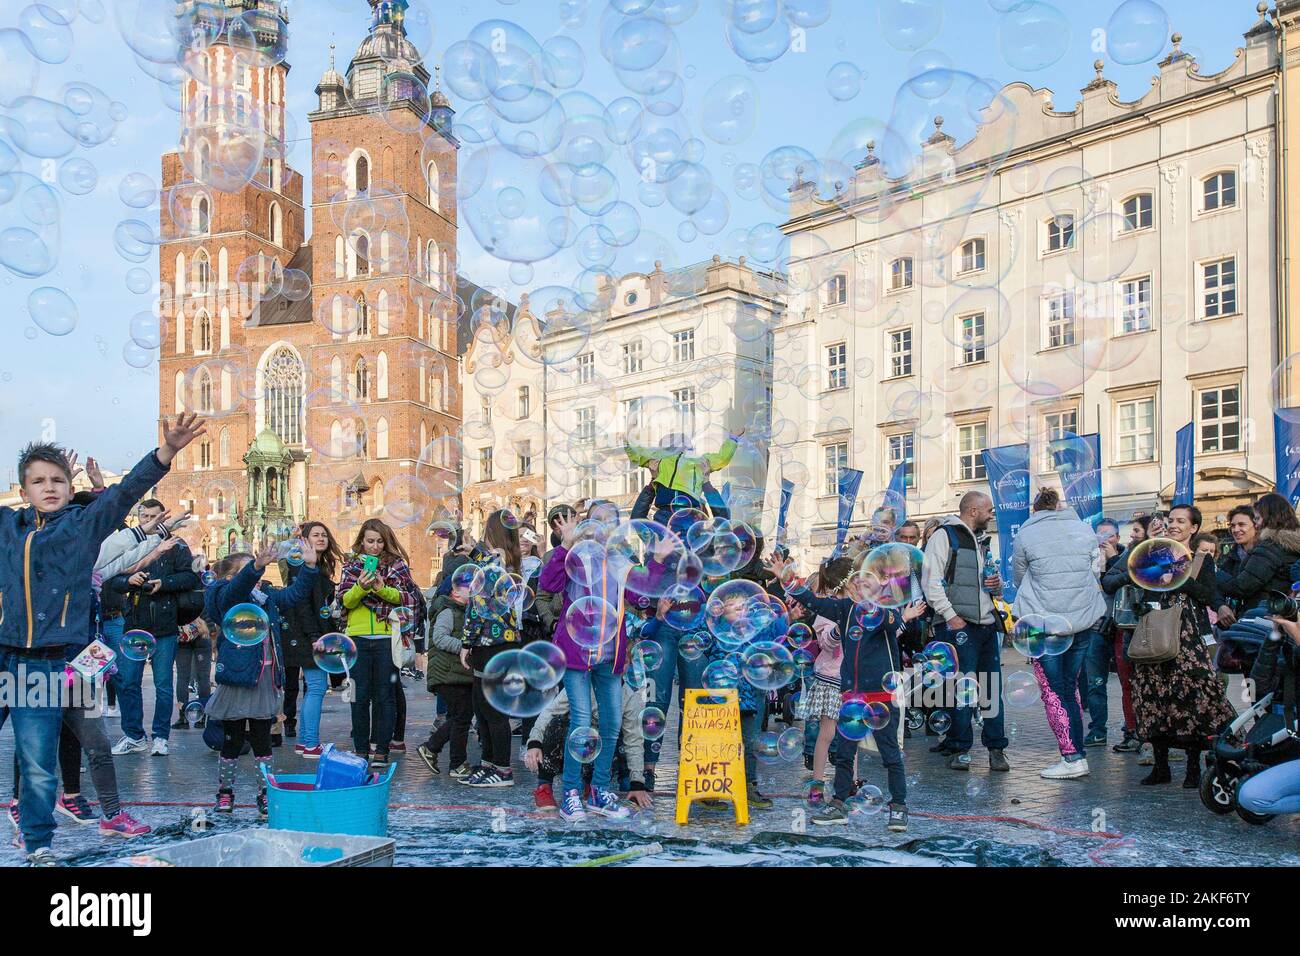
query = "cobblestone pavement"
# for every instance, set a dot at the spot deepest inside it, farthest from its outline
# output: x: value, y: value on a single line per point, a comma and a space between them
x: 1015, y: 818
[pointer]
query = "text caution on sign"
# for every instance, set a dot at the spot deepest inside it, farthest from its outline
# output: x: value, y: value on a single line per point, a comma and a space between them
x: 712, y: 765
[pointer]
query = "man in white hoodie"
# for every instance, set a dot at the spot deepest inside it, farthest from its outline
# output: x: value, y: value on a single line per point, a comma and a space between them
x: 1057, y: 566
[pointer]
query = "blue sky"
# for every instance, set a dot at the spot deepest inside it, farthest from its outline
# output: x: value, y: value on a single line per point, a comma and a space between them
x: 78, y: 385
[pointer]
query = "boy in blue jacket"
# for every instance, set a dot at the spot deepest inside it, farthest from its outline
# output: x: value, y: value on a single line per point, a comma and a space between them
x: 47, y: 555
x: 870, y: 651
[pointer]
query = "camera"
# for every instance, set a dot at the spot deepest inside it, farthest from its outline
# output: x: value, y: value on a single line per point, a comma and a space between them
x: 1282, y: 605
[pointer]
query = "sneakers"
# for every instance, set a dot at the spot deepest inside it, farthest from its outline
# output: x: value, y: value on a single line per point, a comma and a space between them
x: 1176, y: 755
x: 607, y: 804
x: 1065, y: 770
x: 378, y: 761
x: 112, y: 710
x: 130, y: 745
x: 408, y: 672
x: 757, y: 801
x: 897, y: 818
x: 832, y: 814
x: 42, y: 857
x: 959, y: 762
x: 544, y: 798
x: 78, y: 808
x: 397, y: 746
x: 461, y: 772
x: 430, y: 759
x: 123, y: 825
x: 263, y: 805
x: 491, y: 776
x: 1146, y: 756
x: 311, y: 753
x: 159, y: 748
x: 998, y: 762
x: 1095, y: 739
x: 225, y: 801
x: 571, y: 808
x: 1129, y: 745
x: 181, y: 724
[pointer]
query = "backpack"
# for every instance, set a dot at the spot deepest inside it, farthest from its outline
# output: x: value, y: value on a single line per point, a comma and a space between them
x: 239, y: 666
x: 189, y: 605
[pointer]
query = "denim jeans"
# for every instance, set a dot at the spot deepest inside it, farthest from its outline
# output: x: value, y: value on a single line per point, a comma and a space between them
x: 373, y: 711
x: 578, y: 686
x: 1058, y: 678
x: 1275, y: 790
x: 844, y: 752
x: 111, y: 630
x: 980, y: 656
x: 193, y: 662
x: 751, y: 725
x: 129, y: 682
x: 36, y: 741
x: 688, y: 674
x: 1093, y: 680
x: 312, y: 701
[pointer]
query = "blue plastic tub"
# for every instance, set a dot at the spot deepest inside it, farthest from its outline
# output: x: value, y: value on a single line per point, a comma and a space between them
x: 355, y: 811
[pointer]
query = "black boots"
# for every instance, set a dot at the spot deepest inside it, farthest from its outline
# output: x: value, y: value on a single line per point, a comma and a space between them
x: 1193, y: 779
x: 1159, y: 772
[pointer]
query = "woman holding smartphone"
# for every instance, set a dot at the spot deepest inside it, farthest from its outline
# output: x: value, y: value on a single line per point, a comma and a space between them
x: 374, y: 583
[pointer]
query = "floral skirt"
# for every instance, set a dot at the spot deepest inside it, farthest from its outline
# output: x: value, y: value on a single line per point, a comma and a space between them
x: 1181, y: 697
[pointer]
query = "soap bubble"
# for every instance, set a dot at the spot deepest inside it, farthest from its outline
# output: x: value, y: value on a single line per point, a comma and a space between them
x: 721, y: 673
x: 1136, y: 31
x: 653, y: 723
x: 768, y: 665
x: 583, y: 744
x: 542, y: 664
x: 47, y: 32
x: 78, y: 176
x: 891, y: 574
x: 729, y: 110
x: 592, y: 621
x: 335, y: 653
x: 767, y: 748
x: 19, y: 67
x: 1021, y: 689
x: 1042, y: 635
x: 246, y: 625
x: 854, y: 718
x: 843, y: 81
x: 1160, y: 564
x: 507, y: 688
x: 1033, y: 35
x: 790, y: 743
x: 137, y: 191
x: 910, y: 24
x: 138, y: 645
x: 52, y: 310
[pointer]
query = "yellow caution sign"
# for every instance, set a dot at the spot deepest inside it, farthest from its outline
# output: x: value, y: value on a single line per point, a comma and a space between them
x: 712, y: 761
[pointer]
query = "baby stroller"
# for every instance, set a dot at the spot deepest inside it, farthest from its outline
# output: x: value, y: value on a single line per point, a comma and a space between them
x: 1257, y: 739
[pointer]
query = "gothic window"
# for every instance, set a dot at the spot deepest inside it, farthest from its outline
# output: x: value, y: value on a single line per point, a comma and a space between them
x: 204, y: 218
x: 202, y: 273
x: 363, y: 316
x: 203, y: 332
x: 361, y: 381
x: 363, y: 254
x: 223, y: 451
x: 432, y: 176
x: 282, y: 388
x: 205, y: 392
x: 363, y: 174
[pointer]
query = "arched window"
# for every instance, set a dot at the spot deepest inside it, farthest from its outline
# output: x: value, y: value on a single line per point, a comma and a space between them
x: 363, y: 174
x: 202, y: 273
x: 431, y: 174
x: 180, y: 275
x: 282, y: 389
x: 336, y: 316
x: 180, y: 392
x: 431, y: 264
x: 379, y: 494
x: 362, y: 439
x: 202, y: 332
x: 274, y: 225
x: 336, y: 439
x: 340, y: 257
x: 336, y: 376
x: 381, y: 312
x: 381, y: 376
x: 219, y: 502
x: 363, y: 254
x: 203, y: 221
x: 386, y: 165
x: 445, y: 279
x: 223, y: 269
x: 381, y: 438
x: 204, y: 392
x: 225, y: 326
x: 360, y: 381
x: 205, y: 162
x: 383, y: 251
x: 241, y: 112
x: 424, y: 438
x: 223, y: 454
x: 363, y: 316
x: 207, y: 109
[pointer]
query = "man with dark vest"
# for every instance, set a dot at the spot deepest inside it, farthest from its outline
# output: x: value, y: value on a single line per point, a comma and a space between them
x: 954, y: 580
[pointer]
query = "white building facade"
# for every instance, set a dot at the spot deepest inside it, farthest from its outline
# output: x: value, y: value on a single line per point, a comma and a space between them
x: 687, y: 352
x: 1109, y: 269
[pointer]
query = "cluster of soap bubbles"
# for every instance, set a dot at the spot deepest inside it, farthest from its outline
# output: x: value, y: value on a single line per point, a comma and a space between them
x: 520, y: 682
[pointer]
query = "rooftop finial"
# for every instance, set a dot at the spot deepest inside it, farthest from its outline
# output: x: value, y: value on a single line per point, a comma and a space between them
x: 1099, y: 65
x: 938, y: 123
x: 871, y: 147
x: 1261, y: 8
x: 331, y: 56
x: 1177, y: 40
x: 437, y: 77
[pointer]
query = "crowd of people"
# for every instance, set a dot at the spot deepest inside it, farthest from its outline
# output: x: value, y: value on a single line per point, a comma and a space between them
x: 73, y: 572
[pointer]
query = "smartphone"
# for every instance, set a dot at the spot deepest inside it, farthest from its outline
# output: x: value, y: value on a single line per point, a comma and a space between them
x: 370, y: 563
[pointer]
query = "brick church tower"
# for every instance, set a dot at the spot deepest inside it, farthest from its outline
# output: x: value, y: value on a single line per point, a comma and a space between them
x: 328, y: 367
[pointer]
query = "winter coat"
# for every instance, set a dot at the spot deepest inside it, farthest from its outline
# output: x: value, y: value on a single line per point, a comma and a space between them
x: 303, y: 624
x: 1056, y: 564
x: 446, y: 632
x: 831, y: 650
x: 156, y: 613
x: 873, y: 654
x: 224, y: 595
x: 46, y: 561
x: 1267, y: 568
x: 368, y: 611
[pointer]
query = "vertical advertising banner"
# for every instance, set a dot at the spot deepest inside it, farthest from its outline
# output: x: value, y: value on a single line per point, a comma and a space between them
x: 1184, y: 466
x: 1008, y: 474
x: 1286, y: 453
x: 1077, y: 459
x: 850, y: 481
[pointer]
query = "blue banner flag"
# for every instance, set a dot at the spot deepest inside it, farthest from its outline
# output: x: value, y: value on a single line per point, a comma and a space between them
x: 787, y: 492
x: 1286, y: 453
x: 896, y: 493
x: 1077, y: 459
x: 1184, y: 465
x: 849, y: 482
x: 1008, y: 474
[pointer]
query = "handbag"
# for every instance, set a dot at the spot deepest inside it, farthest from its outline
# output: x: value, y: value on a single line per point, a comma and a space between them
x: 402, y: 645
x: 1157, y: 636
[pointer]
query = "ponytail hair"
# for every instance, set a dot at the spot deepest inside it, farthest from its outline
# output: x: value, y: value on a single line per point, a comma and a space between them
x: 1048, y: 499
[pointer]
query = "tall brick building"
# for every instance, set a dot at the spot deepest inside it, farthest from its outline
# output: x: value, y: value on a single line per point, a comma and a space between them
x: 328, y: 366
